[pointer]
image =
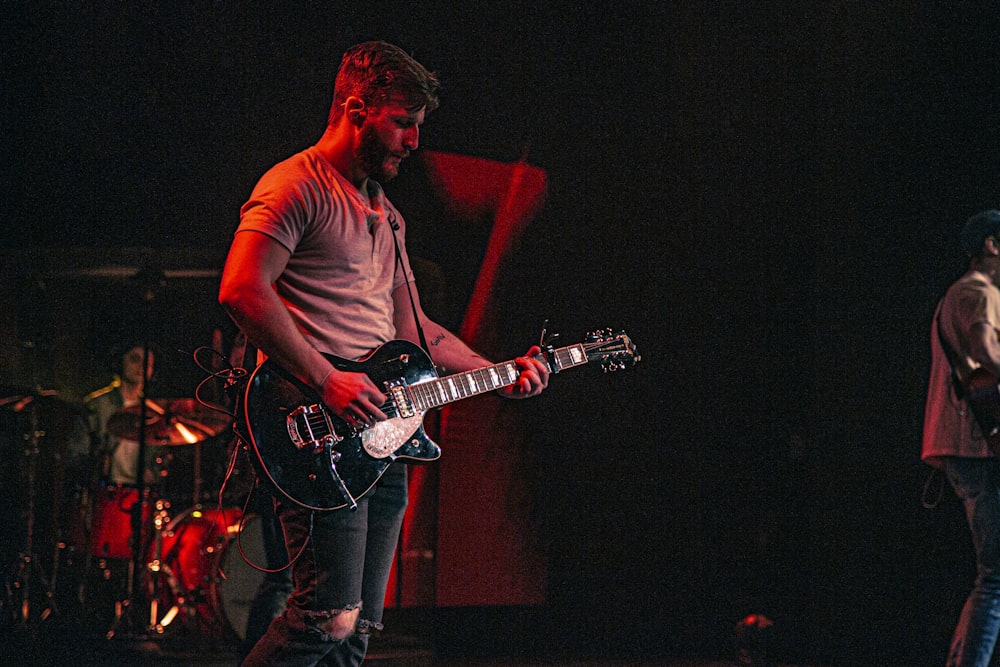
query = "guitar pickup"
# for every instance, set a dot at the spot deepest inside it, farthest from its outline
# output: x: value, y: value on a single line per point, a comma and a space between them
x: 309, y: 426
x: 401, y: 398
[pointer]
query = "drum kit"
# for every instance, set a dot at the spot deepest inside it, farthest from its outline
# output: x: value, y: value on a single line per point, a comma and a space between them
x: 140, y: 560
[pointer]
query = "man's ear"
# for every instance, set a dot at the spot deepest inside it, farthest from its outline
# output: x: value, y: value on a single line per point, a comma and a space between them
x: 991, y: 247
x: 355, y: 110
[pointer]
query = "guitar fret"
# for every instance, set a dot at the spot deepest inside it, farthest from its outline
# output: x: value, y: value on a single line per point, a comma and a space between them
x: 420, y: 396
x: 439, y: 394
x: 430, y: 392
x: 567, y: 357
x: 441, y: 391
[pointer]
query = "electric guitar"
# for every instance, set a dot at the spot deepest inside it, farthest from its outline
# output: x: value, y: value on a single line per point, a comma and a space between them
x: 317, y: 460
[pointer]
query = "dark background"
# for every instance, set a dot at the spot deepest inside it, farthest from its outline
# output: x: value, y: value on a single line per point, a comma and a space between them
x: 765, y: 196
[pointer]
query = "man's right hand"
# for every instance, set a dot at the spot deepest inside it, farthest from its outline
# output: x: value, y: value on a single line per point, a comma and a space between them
x: 353, y: 397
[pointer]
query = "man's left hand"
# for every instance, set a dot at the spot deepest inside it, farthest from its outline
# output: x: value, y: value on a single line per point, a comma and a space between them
x: 533, y: 379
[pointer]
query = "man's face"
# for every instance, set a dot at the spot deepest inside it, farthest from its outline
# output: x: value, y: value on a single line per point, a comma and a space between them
x: 132, y: 366
x: 389, y: 133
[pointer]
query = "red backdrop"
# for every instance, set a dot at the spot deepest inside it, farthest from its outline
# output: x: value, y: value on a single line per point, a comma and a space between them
x: 466, y: 538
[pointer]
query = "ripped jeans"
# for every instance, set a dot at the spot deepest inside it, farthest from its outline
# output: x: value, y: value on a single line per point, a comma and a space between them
x: 977, y: 484
x: 344, y: 567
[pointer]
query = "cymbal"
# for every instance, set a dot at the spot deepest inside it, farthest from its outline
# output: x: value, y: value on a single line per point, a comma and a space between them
x: 18, y: 400
x: 169, y: 422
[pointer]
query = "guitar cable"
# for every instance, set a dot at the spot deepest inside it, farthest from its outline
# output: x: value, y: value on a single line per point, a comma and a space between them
x: 233, y: 377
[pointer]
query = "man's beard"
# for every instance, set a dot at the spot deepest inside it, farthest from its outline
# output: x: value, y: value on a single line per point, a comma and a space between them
x: 372, y: 154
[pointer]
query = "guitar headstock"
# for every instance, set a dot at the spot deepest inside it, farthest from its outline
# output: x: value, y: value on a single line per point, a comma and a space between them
x: 613, y: 350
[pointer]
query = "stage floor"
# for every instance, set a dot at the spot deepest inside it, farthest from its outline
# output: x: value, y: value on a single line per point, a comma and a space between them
x: 47, y: 649
x: 68, y: 650
x: 61, y: 642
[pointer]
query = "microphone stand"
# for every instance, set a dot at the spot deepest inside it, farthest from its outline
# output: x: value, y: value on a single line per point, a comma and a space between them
x: 148, y: 280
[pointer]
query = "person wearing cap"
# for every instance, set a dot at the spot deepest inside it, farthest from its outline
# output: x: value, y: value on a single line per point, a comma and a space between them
x: 964, y: 341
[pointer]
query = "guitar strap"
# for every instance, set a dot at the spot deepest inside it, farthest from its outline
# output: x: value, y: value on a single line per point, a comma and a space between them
x: 933, y: 490
x: 394, y: 226
x: 956, y: 382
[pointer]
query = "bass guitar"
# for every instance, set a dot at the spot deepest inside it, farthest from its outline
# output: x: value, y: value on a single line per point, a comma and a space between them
x: 317, y: 460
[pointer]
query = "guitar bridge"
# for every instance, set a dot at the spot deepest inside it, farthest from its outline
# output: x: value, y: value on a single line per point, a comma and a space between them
x: 309, y: 427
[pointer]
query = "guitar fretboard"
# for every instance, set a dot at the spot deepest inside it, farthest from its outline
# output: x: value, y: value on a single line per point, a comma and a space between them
x: 435, y: 393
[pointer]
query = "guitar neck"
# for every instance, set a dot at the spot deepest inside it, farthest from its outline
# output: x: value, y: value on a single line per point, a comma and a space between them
x: 435, y: 393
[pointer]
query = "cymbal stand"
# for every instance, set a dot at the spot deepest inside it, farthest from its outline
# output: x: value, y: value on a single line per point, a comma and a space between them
x: 161, y: 572
x: 125, y: 610
x: 29, y: 567
x: 148, y: 281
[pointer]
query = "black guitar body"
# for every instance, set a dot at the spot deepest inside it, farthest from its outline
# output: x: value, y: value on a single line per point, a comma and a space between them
x: 316, y: 459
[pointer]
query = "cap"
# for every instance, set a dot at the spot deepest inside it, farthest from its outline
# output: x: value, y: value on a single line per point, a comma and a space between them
x: 977, y: 229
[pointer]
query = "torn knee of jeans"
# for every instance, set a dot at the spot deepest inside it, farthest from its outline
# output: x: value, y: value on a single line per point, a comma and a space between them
x: 368, y: 627
x: 330, y: 623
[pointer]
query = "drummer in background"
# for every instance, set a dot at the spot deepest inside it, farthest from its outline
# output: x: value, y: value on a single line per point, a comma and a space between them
x: 117, y: 457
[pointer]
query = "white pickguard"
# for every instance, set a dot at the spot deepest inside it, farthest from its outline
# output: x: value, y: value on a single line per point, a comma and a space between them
x: 383, y: 438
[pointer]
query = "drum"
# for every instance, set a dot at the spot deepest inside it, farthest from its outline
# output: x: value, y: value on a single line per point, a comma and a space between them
x: 111, y: 522
x: 199, y: 574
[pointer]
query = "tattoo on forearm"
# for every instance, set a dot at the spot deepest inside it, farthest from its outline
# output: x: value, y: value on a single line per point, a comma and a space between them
x: 437, y: 341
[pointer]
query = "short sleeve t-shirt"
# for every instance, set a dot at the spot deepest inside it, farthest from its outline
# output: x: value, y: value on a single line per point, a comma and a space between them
x: 949, y: 427
x: 343, y: 268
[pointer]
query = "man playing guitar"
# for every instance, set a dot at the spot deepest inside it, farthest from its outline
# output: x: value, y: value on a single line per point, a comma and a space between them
x: 961, y: 424
x: 318, y: 267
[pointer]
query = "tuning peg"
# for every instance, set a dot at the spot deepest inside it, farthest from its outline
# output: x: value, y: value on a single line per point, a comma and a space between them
x: 612, y: 365
x: 598, y: 334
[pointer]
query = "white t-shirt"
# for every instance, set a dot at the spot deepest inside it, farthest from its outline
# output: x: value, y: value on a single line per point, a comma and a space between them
x: 339, y: 279
x: 949, y: 427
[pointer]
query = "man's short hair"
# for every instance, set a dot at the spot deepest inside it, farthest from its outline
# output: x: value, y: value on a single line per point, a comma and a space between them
x: 375, y: 71
x: 977, y: 229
